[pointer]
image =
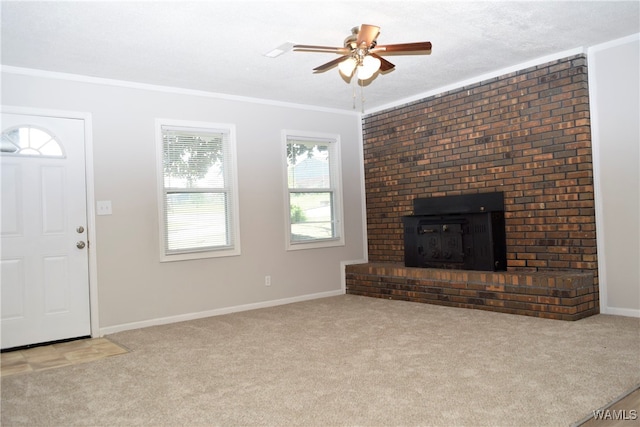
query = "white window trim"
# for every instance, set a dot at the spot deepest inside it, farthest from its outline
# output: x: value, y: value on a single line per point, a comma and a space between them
x: 233, y: 176
x: 336, y: 179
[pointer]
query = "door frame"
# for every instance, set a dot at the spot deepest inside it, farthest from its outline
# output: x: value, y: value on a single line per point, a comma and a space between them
x: 90, y: 197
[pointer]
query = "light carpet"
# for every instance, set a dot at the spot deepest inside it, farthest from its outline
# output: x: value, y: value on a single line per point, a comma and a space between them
x: 342, y: 361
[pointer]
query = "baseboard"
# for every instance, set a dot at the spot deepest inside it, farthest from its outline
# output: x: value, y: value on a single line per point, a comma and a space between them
x: 216, y: 312
x: 616, y: 311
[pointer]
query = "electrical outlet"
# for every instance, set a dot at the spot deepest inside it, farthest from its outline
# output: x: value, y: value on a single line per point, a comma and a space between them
x: 104, y: 207
x: 267, y: 280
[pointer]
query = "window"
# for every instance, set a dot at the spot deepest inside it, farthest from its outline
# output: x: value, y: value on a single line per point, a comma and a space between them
x: 197, y: 190
x: 314, y: 199
x: 30, y: 141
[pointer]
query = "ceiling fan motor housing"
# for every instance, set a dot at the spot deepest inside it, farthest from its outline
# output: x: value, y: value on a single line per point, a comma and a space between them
x: 350, y: 41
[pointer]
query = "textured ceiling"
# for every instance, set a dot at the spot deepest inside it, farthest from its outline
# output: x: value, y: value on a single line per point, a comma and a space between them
x: 219, y: 46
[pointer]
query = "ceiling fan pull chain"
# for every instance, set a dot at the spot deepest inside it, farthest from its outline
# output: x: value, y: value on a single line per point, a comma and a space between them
x: 353, y: 86
x: 362, y: 96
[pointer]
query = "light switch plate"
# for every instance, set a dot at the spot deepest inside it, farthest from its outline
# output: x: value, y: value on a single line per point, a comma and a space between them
x: 103, y: 207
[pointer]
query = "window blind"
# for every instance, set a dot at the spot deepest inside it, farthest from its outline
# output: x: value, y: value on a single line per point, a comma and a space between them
x: 197, y: 190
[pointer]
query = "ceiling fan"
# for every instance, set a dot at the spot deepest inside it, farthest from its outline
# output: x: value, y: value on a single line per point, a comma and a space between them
x: 362, y: 54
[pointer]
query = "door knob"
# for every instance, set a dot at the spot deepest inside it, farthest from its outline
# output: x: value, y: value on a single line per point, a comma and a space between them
x: 80, y: 244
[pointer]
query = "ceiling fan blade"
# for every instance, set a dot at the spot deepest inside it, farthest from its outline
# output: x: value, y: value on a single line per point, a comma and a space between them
x: 384, y: 64
x: 367, y: 34
x: 403, y: 47
x: 330, y: 64
x: 311, y: 48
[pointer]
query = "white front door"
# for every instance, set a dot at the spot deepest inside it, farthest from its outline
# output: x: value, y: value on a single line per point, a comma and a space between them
x: 44, y: 280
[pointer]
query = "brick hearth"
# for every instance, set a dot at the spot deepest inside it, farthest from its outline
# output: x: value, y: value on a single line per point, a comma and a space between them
x: 553, y: 294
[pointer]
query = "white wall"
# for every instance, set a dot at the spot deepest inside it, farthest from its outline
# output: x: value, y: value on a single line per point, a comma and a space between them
x: 134, y: 288
x: 614, y: 84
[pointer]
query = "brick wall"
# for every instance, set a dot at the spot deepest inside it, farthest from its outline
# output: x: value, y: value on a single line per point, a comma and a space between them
x: 526, y: 133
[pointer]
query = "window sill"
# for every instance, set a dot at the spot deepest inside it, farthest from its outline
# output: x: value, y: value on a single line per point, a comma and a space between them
x: 199, y: 255
x: 315, y: 244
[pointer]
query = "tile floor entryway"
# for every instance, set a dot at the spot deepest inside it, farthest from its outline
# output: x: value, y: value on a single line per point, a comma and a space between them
x: 57, y: 355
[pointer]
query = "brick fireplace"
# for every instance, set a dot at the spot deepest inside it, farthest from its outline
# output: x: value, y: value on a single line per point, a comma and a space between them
x: 525, y: 134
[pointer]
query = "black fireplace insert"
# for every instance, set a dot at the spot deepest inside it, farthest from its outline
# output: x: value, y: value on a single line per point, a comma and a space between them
x: 461, y: 232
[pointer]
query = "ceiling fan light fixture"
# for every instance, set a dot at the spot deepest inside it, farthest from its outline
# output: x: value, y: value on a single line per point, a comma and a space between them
x: 368, y: 67
x: 347, y: 66
x: 362, y: 55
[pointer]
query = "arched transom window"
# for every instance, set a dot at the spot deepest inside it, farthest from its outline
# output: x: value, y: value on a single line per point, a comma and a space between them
x: 30, y: 141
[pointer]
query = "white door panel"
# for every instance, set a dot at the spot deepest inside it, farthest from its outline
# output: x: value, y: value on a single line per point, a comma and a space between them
x: 44, y: 276
x: 13, y: 289
x: 11, y: 202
